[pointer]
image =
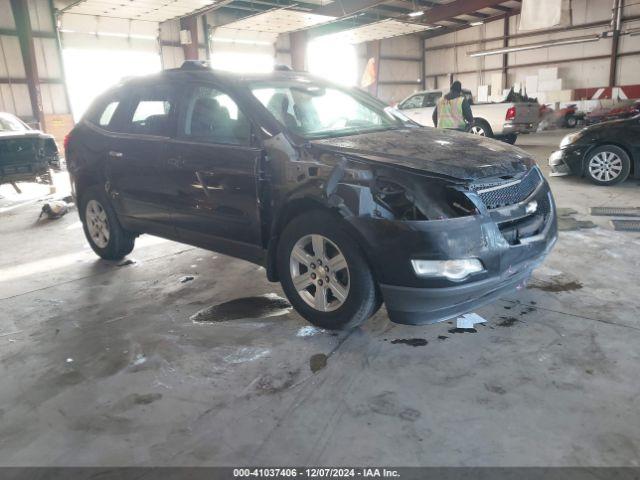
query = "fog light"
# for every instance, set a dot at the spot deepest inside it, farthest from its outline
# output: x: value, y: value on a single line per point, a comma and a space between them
x: 451, y: 269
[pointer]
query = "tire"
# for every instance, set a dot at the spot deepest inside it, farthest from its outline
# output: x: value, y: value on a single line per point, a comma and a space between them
x: 101, y: 226
x: 481, y: 128
x: 313, y: 297
x: 570, y: 121
x: 607, y: 165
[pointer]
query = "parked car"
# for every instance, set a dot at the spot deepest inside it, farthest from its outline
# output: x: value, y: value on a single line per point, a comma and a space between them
x: 624, y: 109
x: 503, y: 121
x: 345, y: 201
x: 606, y: 153
x: 566, y: 117
x: 26, y: 155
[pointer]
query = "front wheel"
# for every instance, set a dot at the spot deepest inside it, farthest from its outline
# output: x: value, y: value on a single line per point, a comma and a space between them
x: 324, y: 274
x: 607, y: 165
x: 101, y: 226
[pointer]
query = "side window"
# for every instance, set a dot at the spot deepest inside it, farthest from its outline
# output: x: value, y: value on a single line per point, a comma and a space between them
x: 151, y: 112
x: 413, y: 102
x: 213, y: 116
x: 107, y: 114
x: 432, y: 98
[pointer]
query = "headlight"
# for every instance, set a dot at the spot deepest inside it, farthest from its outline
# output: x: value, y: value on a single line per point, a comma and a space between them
x: 451, y: 269
x: 571, y: 138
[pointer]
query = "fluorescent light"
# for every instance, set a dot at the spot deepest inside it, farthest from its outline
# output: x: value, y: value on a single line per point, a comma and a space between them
x: 417, y: 13
x: 476, y: 24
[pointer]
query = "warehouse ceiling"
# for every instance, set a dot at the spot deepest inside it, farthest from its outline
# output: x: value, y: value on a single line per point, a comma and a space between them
x: 436, y: 16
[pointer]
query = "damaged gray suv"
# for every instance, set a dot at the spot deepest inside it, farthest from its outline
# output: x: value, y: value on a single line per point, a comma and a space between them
x: 343, y: 200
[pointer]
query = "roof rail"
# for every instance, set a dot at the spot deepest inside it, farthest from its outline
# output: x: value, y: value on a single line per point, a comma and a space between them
x: 195, y: 65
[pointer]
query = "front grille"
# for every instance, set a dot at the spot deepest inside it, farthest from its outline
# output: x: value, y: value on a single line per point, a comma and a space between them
x: 496, y: 195
x: 514, y: 231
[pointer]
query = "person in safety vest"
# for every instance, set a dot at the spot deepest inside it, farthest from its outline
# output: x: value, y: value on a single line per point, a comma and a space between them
x: 453, y: 110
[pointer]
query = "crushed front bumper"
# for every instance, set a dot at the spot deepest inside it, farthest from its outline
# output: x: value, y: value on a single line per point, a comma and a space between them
x: 508, y: 258
x: 417, y: 306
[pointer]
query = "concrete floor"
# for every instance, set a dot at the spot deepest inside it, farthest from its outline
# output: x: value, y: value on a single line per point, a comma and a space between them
x: 101, y: 365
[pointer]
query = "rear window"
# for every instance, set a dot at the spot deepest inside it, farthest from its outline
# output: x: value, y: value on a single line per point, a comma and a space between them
x: 107, y: 114
x: 151, y: 112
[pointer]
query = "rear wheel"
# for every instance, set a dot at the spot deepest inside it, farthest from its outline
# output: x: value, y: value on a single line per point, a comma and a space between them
x: 607, y: 165
x: 324, y: 274
x: 570, y: 121
x: 481, y: 128
x: 101, y: 226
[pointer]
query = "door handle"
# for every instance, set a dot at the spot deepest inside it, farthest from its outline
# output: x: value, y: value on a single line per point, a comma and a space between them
x: 114, y: 154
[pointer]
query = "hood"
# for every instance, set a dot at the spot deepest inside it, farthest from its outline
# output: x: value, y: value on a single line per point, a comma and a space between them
x: 452, y: 154
x: 623, y: 122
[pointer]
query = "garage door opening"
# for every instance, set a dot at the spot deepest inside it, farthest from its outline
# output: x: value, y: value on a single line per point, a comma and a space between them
x: 91, y: 72
x: 333, y: 59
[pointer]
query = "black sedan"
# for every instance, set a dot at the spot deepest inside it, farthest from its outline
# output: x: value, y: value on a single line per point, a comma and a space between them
x: 606, y: 153
x: 25, y: 154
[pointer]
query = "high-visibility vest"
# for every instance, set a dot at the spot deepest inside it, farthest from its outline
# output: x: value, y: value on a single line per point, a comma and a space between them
x: 450, y: 113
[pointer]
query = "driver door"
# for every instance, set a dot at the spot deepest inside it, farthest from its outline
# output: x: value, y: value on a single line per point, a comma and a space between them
x: 215, y: 163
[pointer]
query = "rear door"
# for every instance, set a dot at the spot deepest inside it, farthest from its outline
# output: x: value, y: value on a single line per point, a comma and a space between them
x: 139, y: 178
x: 215, y: 166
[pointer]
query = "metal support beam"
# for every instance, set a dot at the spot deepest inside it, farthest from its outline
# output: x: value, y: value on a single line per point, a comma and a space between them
x: 23, y: 26
x: 616, y: 23
x: 190, y: 24
x: 298, y: 42
x: 505, y: 56
x: 207, y: 35
x: 423, y: 65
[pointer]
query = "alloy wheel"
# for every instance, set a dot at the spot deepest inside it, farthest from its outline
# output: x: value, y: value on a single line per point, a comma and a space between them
x: 605, y: 166
x: 97, y: 223
x: 476, y: 130
x: 319, y: 273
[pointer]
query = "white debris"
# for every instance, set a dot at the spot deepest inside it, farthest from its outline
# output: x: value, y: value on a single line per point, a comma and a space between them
x: 140, y: 359
x: 69, y: 360
x: 309, y: 331
x: 246, y: 354
x: 469, y: 320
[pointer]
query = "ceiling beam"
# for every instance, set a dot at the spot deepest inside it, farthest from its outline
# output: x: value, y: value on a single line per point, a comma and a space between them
x: 458, y: 7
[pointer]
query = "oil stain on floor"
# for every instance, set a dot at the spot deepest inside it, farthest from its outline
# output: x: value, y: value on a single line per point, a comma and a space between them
x: 412, y: 342
x: 261, y: 306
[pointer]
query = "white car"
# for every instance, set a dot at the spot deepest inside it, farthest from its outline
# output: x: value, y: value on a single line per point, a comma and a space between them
x: 503, y: 121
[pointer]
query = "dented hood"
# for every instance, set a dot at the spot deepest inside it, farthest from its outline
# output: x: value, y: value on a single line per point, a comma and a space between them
x: 452, y: 154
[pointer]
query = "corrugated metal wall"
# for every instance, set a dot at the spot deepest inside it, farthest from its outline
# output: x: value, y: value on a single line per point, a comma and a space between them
x: 14, y: 95
x: 576, y: 68
x: 400, y: 72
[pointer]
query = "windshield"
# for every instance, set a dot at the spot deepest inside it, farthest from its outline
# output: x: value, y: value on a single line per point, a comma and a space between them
x: 9, y: 123
x: 314, y: 110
